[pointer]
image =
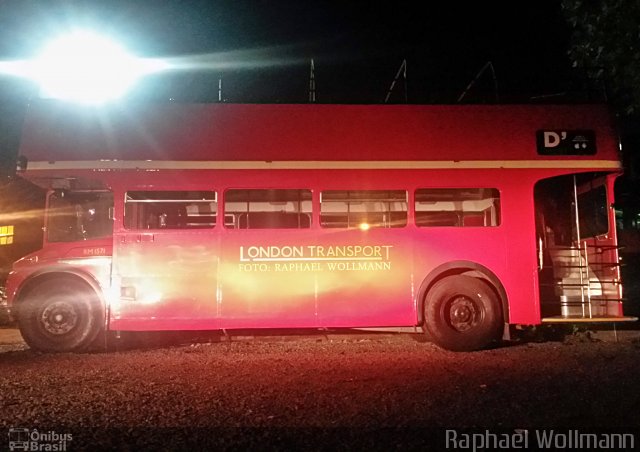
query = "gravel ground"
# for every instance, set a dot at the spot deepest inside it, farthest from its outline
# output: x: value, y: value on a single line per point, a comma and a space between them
x: 323, y: 392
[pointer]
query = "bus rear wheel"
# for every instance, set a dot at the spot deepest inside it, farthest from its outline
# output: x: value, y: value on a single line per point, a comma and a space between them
x: 462, y: 313
x: 60, y: 316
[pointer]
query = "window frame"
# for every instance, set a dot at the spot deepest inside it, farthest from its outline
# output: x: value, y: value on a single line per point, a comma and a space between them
x: 268, y: 219
x: 362, y: 217
x: 186, y: 202
x: 460, y: 215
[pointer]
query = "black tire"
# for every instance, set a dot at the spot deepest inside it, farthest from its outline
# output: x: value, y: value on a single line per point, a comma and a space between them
x: 462, y: 313
x: 60, y: 315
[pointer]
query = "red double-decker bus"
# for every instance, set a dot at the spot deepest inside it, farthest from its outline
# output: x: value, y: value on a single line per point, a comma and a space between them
x: 457, y: 220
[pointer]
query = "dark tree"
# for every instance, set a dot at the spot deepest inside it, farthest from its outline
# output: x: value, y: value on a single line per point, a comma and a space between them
x: 605, y: 37
x: 604, y: 44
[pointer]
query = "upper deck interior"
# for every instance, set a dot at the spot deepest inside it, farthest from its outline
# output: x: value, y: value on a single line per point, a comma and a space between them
x: 55, y: 132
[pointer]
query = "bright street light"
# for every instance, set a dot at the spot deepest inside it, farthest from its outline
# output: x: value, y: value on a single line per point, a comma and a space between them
x: 84, y: 67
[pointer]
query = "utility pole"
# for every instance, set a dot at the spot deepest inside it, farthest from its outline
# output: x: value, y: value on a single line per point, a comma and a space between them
x: 312, y: 83
x: 401, y: 72
x: 488, y: 65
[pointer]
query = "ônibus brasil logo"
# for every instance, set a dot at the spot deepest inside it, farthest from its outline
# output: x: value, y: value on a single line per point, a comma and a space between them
x: 33, y: 440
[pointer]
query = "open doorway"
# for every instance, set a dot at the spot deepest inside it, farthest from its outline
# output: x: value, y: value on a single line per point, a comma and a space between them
x: 577, y: 251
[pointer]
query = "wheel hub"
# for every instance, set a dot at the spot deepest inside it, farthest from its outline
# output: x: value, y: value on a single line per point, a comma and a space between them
x: 59, y: 318
x: 463, y: 313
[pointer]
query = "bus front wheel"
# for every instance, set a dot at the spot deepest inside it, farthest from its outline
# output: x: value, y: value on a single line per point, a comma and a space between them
x: 60, y: 316
x: 462, y: 313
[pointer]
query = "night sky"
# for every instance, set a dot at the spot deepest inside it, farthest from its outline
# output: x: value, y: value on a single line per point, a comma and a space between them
x: 262, y: 49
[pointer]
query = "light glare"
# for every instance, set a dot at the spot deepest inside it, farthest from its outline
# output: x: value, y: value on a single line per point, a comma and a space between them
x: 87, y: 68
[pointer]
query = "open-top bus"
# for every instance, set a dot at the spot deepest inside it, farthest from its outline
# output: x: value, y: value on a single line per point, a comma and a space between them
x: 457, y: 220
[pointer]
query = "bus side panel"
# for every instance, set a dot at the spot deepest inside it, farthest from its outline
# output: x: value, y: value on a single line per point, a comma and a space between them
x: 165, y: 280
x: 521, y: 277
x: 438, y: 246
x: 506, y: 249
x: 365, y: 278
x: 260, y: 285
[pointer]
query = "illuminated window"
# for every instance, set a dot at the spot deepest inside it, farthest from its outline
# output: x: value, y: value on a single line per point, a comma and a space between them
x: 170, y: 209
x: 459, y: 207
x: 6, y: 235
x: 363, y: 209
x: 267, y: 209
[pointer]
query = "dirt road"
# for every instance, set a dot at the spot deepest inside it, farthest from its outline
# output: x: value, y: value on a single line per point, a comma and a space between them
x: 321, y: 392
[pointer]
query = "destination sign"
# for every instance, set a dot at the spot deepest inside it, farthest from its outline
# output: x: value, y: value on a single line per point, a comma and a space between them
x: 566, y: 142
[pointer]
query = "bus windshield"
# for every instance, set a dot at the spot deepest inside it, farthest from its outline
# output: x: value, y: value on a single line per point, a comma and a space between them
x: 75, y: 216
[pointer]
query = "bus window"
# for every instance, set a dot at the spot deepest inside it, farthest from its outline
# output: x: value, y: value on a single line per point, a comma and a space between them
x: 170, y: 209
x: 593, y: 212
x: 457, y: 207
x: 363, y: 208
x: 267, y: 209
x: 75, y: 216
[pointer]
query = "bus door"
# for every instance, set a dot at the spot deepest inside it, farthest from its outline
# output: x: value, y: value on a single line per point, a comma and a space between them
x: 365, y: 257
x: 577, y: 247
x: 166, y: 261
x: 267, y: 280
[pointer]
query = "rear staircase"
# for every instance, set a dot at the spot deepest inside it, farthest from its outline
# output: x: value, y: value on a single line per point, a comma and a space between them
x: 586, y: 286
